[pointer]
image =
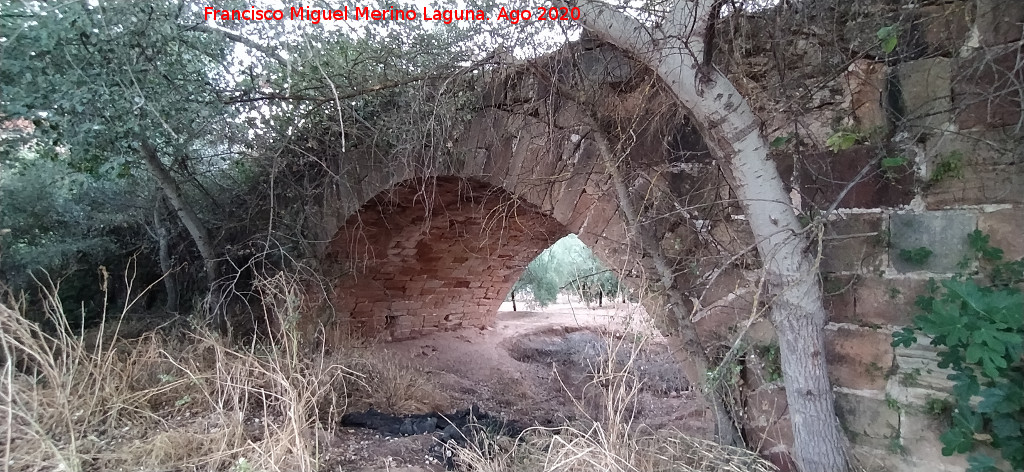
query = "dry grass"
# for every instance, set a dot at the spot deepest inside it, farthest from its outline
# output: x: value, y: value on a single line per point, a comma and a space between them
x: 392, y: 386
x: 191, y: 401
x: 184, y: 402
x: 608, y: 439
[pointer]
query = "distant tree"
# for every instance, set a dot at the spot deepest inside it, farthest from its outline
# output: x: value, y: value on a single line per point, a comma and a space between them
x: 567, y: 265
x: 61, y: 224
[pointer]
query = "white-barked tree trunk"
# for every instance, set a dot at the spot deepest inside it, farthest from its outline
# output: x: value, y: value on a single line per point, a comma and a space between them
x: 675, y: 50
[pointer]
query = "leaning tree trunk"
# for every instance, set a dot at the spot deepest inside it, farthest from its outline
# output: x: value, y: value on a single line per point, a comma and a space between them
x: 163, y: 250
x: 195, y: 228
x: 676, y: 51
x: 188, y: 217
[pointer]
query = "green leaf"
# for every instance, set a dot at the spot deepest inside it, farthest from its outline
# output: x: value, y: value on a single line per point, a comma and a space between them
x: 1013, y: 452
x: 885, y: 32
x: 916, y: 256
x: 889, y: 44
x: 888, y: 36
x: 975, y: 352
x: 1008, y: 273
x: 943, y: 320
x: 991, y: 400
x: 1006, y: 427
x: 779, y: 141
x: 967, y: 421
x: 956, y: 441
x: 965, y: 386
x: 979, y: 243
x: 978, y: 325
x: 890, y: 162
x: 904, y: 337
x: 842, y: 140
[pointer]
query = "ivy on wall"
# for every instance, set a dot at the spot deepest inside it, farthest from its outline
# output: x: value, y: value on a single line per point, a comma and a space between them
x: 976, y: 317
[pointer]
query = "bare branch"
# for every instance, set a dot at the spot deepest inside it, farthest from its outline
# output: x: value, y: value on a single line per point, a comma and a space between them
x: 238, y: 38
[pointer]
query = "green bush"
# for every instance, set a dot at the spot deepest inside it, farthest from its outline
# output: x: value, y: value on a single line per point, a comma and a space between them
x: 63, y: 224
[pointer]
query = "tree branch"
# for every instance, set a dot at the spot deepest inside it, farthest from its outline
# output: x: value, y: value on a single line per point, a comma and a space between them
x: 320, y: 100
x: 238, y: 38
x: 692, y: 18
x: 188, y: 217
x: 614, y: 26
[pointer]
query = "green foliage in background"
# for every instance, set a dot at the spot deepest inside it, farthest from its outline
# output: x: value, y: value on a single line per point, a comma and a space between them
x: 977, y: 319
x: 567, y: 265
x: 251, y: 134
x: 61, y: 225
x: 60, y: 219
x: 95, y: 79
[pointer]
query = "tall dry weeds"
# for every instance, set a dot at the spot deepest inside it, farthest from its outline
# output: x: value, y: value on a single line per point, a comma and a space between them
x: 608, y: 438
x: 185, y: 402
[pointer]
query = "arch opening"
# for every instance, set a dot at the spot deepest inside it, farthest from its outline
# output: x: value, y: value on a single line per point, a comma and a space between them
x: 435, y: 254
x: 568, y: 268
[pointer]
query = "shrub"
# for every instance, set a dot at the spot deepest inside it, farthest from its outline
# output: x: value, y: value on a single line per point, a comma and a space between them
x: 977, y: 319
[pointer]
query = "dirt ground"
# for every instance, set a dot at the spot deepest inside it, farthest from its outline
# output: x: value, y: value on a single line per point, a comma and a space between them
x: 536, y: 367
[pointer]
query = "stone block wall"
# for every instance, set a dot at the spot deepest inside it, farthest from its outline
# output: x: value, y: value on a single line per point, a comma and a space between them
x: 885, y: 397
x: 949, y: 101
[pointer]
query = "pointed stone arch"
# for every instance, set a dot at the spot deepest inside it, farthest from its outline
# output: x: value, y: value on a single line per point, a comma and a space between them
x: 442, y: 252
x: 526, y: 159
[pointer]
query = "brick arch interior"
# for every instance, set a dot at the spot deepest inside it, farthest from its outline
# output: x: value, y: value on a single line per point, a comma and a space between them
x: 435, y: 254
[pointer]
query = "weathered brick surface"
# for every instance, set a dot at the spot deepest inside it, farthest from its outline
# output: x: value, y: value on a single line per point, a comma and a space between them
x: 419, y: 261
x: 938, y: 30
x: 920, y: 440
x: 722, y: 318
x: 886, y: 301
x: 999, y: 21
x: 823, y: 176
x: 854, y: 243
x: 918, y: 369
x: 865, y: 88
x: 858, y: 358
x: 942, y: 232
x: 869, y: 421
x: 768, y: 410
x: 972, y: 148
x: 926, y: 93
x: 838, y: 292
x: 871, y: 301
x: 1006, y: 228
x: 979, y: 185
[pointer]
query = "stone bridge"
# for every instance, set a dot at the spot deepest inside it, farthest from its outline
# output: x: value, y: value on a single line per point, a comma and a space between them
x: 442, y: 251
x: 416, y: 251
